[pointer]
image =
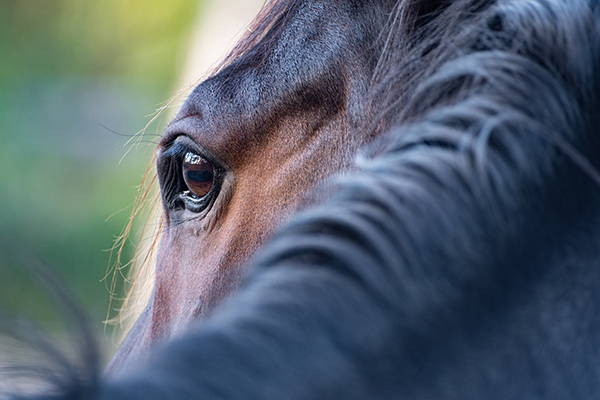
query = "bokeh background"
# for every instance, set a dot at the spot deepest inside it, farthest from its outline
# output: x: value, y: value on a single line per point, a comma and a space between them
x: 77, y: 79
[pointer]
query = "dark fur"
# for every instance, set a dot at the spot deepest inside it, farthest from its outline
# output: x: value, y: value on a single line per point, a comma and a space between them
x: 460, y: 260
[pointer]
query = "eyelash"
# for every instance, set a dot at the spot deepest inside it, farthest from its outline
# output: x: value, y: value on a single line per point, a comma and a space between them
x: 175, y: 191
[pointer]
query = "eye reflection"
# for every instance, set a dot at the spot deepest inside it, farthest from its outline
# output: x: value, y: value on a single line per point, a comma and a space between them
x: 198, y: 174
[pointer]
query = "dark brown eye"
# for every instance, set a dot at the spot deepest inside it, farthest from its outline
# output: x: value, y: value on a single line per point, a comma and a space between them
x: 198, y: 174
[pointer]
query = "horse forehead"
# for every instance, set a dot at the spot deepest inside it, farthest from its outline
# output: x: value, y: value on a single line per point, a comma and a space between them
x: 311, y: 53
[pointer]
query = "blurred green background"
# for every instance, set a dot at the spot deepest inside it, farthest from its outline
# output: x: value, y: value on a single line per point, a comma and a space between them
x: 72, y: 73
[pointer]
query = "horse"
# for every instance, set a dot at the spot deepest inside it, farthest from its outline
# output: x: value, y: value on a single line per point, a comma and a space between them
x: 455, y: 257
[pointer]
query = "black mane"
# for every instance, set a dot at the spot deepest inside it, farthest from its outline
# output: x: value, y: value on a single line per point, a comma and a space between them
x: 459, y: 260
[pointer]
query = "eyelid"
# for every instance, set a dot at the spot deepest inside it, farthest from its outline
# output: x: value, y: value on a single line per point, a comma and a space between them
x: 172, y: 152
x: 181, y: 144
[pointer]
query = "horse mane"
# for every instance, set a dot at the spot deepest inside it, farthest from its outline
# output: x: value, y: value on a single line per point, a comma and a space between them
x: 489, y: 113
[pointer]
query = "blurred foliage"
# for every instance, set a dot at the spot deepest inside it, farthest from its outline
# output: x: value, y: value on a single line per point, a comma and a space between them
x: 73, y: 72
x: 140, y: 40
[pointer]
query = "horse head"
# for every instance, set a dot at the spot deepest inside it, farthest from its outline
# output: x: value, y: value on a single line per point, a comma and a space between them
x: 249, y: 143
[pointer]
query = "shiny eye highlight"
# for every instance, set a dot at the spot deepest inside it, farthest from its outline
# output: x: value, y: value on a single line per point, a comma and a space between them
x: 198, y: 174
x: 190, y: 177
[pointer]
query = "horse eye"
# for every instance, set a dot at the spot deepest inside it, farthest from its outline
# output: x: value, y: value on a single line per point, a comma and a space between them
x: 198, y: 174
